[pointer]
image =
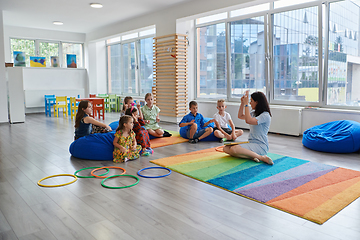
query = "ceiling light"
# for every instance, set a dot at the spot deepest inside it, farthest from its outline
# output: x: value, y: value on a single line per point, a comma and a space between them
x: 58, y: 23
x: 96, y: 5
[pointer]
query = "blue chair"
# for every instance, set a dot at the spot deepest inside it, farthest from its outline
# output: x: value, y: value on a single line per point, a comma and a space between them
x: 49, y: 103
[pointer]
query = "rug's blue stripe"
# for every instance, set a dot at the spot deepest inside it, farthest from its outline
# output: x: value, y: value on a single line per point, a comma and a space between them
x: 244, y: 177
x: 302, y: 170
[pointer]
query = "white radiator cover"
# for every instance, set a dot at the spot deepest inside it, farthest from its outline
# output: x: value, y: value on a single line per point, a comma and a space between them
x: 285, y: 119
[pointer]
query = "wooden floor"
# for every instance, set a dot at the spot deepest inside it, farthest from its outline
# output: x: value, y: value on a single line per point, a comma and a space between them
x: 175, y: 207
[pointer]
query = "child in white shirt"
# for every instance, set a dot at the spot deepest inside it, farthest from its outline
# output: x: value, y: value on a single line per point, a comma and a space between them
x: 222, y: 119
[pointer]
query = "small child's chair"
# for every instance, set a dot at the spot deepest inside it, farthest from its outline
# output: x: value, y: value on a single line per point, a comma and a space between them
x: 98, y: 108
x: 73, y: 107
x: 49, y: 102
x: 112, y: 103
x: 61, y: 102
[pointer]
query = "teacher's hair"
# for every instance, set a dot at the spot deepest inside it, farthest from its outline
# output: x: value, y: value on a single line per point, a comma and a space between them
x: 262, y: 103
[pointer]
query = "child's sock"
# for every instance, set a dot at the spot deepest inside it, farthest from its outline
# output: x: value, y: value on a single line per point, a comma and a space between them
x: 167, y: 134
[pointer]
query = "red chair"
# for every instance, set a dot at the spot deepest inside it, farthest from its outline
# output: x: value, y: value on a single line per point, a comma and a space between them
x: 98, y: 108
x: 92, y: 95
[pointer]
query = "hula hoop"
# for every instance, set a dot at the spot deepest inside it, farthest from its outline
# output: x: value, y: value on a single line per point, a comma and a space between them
x: 138, y: 173
x: 123, y: 175
x: 100, y: 176
x: 220, y: 149
x: 89, y: 176
x: 59, y: 185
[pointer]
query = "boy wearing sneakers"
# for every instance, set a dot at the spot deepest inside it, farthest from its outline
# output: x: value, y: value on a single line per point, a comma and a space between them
x: 195, y: 124
x: 222, y: 119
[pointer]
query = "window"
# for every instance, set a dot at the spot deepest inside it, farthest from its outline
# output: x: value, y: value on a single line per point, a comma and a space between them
x: 73, y: 48
x: 48, y: 50
x: 23, y: 45
x: 295, y: 64
x: 343, y: 77
x: 146, y: 65
x: 114, y: 61
x: 247, y: 56
x: 213, y: 40
x: 130, y: 66
x: 43, y: 48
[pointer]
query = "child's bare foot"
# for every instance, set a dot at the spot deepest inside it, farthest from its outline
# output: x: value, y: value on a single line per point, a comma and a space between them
x: 267, y: 160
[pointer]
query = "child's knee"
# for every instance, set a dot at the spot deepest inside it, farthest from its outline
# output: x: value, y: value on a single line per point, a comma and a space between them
x: 210, y: 129
x: 193, y: 127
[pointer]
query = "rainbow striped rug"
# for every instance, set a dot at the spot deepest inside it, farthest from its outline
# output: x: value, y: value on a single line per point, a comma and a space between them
x: 310, y: 190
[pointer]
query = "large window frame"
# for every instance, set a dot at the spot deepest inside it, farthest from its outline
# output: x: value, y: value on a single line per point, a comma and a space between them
x: 60, y: 53
x: 323, y: 13
x: 136, y: 39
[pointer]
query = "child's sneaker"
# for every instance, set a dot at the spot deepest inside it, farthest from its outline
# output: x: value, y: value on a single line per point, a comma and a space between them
x: 149, y: 150
x: 195, y: 140
x: 145, y: 154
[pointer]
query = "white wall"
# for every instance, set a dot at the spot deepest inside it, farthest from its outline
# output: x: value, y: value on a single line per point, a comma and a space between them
x: 3, y: 88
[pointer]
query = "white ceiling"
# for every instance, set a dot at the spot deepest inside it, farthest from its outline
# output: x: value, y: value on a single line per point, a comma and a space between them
x: 77, y: 15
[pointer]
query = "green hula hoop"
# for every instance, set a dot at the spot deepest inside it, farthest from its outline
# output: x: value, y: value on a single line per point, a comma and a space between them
x: 124, y: 175
x: 89, y: 176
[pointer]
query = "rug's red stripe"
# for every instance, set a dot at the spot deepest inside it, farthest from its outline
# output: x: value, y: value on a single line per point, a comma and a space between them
x: 333, y: 177
x: 304, y: 203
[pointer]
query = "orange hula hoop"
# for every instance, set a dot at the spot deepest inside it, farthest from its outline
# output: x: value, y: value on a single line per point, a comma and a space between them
x: 113, y: 167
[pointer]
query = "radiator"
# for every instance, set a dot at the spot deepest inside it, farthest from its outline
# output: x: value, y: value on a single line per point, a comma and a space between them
x: 285, y: 120
x: 35, y: 98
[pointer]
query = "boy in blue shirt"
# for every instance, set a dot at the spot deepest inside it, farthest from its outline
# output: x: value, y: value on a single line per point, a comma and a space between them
x: 196, y: 125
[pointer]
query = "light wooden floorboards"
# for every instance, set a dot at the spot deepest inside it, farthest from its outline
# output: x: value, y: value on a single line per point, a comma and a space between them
x: 175, y: 207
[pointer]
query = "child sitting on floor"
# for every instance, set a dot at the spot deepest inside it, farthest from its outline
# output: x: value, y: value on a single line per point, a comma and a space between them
x: 196, y: 125
x: 125, y: 147
x: 151, y: 116
x: 142, y: 135
x: 86, y: 125
x: 222, y: 119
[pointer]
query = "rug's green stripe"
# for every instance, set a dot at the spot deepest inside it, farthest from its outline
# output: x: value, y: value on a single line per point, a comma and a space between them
x: 205, y: 171
x: 199, y: 162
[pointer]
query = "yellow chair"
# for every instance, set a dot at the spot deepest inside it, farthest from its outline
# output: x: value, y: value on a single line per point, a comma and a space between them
x: 73, y: 107
x: 61, y: 102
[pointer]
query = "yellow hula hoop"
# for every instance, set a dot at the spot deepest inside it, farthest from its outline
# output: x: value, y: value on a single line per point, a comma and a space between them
x: 58, y: 175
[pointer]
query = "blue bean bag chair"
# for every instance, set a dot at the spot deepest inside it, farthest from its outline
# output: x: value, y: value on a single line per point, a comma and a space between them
x: 334, y: 137
x: 98, y: 146
x: 209, y: 138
